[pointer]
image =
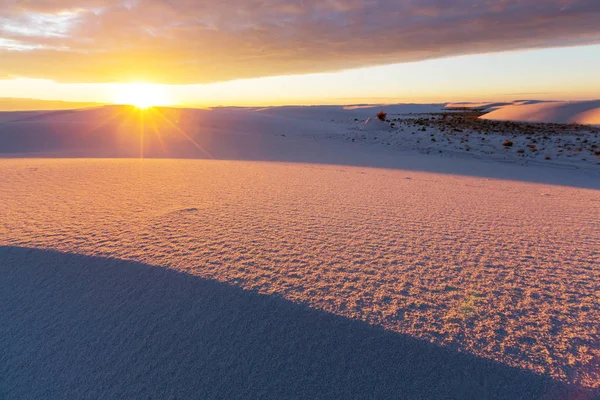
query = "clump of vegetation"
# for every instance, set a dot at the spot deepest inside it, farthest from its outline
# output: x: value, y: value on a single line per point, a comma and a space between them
x: 382, y: 115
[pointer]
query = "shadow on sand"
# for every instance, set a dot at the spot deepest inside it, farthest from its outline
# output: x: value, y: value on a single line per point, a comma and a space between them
x: 249, y: 140
x: 84, y: 327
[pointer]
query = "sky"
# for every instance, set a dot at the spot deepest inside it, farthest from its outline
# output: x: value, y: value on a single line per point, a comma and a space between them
x: 273, y: 52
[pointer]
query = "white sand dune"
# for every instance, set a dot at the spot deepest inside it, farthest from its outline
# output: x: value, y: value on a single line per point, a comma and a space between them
x: 91, y: 327
x: 328, y: 134
x: 370, y: 110
x: 476, y: 105
x: 343, y: 113
x: 559, y: 112
x: 279, y: 261
x: 498, y: 269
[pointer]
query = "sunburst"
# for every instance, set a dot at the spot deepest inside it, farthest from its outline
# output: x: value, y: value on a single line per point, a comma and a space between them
x: 143, y: 95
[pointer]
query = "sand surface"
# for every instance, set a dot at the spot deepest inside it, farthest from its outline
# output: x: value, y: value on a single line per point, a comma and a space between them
x: 559, y: 112
x: 347, y: 271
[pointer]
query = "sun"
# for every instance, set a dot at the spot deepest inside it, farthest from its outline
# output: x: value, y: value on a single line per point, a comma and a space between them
x: 143, y: 95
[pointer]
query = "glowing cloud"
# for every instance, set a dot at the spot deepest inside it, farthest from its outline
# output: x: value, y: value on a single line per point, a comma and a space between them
x: 185, y: 41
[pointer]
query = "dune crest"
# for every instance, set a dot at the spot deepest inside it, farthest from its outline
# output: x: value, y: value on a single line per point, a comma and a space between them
x: 559, y: 112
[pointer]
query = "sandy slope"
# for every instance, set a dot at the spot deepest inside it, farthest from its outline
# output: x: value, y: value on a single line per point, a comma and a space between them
x: 18, y: 104
x: 433, y: 249
x: 552, y: 145
x: 559, y: 112
x: 92, y: 328
x: 119, y: 131
x: 500, y: 269
x: 477, y: 105
x: 126, y: 330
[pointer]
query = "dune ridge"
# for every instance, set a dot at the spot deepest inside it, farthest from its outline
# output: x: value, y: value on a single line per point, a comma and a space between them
x: 557, y: 112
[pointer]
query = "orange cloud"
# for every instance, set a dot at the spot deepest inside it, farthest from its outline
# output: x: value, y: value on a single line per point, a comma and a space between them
x: 187, y: 41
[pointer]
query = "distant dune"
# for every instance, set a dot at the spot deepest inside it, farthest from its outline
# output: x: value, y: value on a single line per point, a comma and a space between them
x: 266, y: 133
x: 13, y: 104
x: 485, y: 106
x: 559, y: 112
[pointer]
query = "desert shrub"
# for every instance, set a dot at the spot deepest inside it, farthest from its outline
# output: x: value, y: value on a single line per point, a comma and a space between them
x: 382, y: 115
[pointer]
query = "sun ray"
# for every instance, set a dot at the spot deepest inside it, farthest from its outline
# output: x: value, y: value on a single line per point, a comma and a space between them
x: 141, y: 125
x: 106, y: 121
x: 157, y: 133
x: 143, y: 95
x: 179, y: 130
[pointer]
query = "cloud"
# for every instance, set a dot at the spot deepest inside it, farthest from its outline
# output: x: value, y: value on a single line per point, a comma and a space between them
x: 190, y: 41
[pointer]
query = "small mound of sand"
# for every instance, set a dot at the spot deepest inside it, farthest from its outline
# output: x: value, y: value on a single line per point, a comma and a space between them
x: 375, y: 124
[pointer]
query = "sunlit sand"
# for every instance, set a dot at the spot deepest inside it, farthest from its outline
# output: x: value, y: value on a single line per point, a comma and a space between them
x: 563, y: 112
x: 477, y: 264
